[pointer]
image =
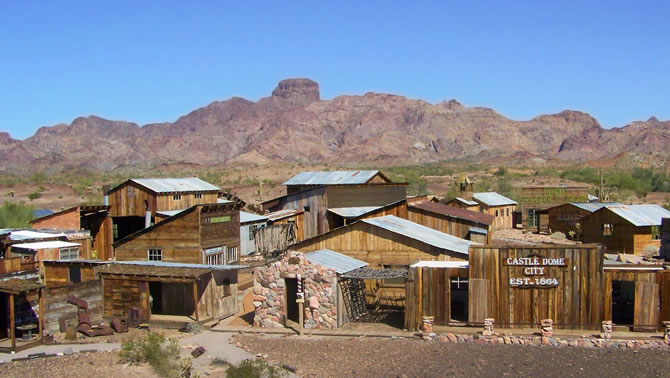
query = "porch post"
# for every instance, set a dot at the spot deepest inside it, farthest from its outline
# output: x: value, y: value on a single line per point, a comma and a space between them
x: 195, y: 300
x: 41, y: 318
x: 12, y: 325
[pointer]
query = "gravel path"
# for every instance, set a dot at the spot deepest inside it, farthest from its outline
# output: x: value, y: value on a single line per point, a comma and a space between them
x: 383, y: 357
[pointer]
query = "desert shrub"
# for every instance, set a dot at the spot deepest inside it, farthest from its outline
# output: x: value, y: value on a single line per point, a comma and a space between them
x: 15, y: 215
x: 34, y: 195
x: 558, y: 236
x: 193, y: 327
x: 255, y: 368
x: 164, y: 360
x: 501, y: 171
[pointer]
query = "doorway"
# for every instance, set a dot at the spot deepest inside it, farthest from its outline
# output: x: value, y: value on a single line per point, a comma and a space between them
x: 292, y: 309
x: 4, y: 315
x: 459, y: 299
x: 168, y: 298
x: 623, y: 302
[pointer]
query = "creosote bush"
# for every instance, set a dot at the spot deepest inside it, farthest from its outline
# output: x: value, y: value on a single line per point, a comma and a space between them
x: 163, y: 359
x: 255, y: 368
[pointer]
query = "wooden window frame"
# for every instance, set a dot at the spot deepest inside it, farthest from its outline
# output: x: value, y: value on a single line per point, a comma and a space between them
x: 608, y: 229
x: 156, y: 252
x: 232, y: 252
x: 68, y: 253
x: 176, y: 197
x: 197, y: 195
x: 69, y: 273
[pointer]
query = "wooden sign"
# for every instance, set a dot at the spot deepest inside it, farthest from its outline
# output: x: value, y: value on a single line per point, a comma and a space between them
x: 534, y: 268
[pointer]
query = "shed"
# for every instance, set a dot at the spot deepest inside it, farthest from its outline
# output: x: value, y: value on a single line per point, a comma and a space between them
x: 171, y: 293
x: 455, y: 221
x: 564, y: 218
x: 21, y: 309
x: 497, y: 205
x: 249, y: 223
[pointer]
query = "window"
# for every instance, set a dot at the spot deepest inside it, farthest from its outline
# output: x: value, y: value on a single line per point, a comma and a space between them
x: 131, y: 191
x: 176, y: 197
x: 608, y: 228
x: 508, y: 212
x: 71, y: 253
x: 115, y: 231
x: 232, y: 255
x: 252, y: 231
x: 155, y: 254
x: 214, y: 256
x: 74, y: 274
x: 655, y: 233
x: 226, y: 287
x: 533, y: 218
x: 306, y: 208
x: 198, y: 195
x: 497, y: 213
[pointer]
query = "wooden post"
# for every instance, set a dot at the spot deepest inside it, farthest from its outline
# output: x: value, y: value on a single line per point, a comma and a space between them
x: 419, y: 298
x: 301, y: 315
x: 12, y: 325
x: 41, y: 318
x: 195, y: 300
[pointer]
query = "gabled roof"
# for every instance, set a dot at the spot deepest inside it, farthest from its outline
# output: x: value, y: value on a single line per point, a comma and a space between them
x: 421, y: 233
x: 593, y: 206
x: 334, y: 178
x: 640, y: 215
x: 334, y: 260
x: 173, y: 185
x: 454, y: 212
x: 250, y: 218
x: 493, y: 199
x: 83, y: 211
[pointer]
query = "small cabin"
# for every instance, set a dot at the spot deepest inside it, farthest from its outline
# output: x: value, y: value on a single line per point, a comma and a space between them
x: 498, y: 206
x: 455, y: 221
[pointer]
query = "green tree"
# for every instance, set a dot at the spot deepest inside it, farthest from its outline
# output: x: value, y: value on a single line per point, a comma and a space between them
x: 15, y: 215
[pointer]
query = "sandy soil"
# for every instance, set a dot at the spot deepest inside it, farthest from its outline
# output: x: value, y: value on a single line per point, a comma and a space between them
x: 376, y: 357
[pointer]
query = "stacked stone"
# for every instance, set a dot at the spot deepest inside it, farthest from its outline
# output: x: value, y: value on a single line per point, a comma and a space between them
x: 606, y: 330
x: 488, y: 327
x: 583, y: 342
x: 269, y: 292
x: 427, y: 324
x: 547, y: 327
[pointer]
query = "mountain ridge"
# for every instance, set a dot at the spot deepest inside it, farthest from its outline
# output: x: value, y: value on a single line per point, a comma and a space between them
x: 294, y: 125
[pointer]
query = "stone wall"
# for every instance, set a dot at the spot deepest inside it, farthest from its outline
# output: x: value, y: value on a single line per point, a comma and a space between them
x: 320, y: 285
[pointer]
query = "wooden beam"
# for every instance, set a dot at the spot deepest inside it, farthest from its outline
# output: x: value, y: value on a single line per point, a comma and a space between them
x: 12, y: 322
x: 41, y: 315
x: 195, y: 300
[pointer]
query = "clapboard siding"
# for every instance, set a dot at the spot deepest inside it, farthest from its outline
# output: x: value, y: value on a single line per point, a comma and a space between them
x: 449, y: 225
x: 55, y: 303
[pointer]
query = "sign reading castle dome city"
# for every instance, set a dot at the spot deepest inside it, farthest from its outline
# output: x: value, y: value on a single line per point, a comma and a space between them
x: 534, y: 270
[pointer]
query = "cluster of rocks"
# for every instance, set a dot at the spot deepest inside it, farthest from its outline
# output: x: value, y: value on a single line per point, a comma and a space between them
x: 319, y: 289
x: 584, y: 341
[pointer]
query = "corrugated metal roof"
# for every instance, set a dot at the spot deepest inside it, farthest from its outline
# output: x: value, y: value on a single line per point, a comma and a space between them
x: 641, y: 215
x: 331, y: 259
x: 331, y: 178
x: 173, y: 185
x: 493, y: 199
x: 421, y: 233
x: 592, y: 198
x: 467, y: 202
x: 163, y: 269
x: 249, y: 217
x: 181, y: 265
x: 353, y: 212
x: 441, y: 264
x: 593, y: 206
x: 478, y: 230
x: 39, y: 213
x: 29, y: 235
x: 281, y: 214
x: 44, y: 245
x: 454, y: 212
x: 169, y: 213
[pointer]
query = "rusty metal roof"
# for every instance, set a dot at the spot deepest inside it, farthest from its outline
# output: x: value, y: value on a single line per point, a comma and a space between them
x: 332, y: 178
x: 454, y: 212
x: 163, y: 269
x: 421, y: 233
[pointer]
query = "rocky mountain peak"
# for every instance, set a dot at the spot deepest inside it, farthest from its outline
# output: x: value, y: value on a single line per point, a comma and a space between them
x: 297, y: 91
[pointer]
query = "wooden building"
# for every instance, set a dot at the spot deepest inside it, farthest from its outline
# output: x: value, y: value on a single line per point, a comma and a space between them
x: 518, y: 286
x: 626, y: 228
x: 341, y: 216
x: 389, y: 242
x: 295, y: 217
x: 316, y: 192
x: 57, y: 273
x: 133, y: 204
x: 455, y: 221
x: 249, y: 223
x: 202, y: 234
x: 94, y: 219
x: 169, y: 292
x: 568, y: 217
x: 535, y: 198
x: 21, y: 312
x: 32, y: 254
x: 498, y: 206
x: 463, y: 203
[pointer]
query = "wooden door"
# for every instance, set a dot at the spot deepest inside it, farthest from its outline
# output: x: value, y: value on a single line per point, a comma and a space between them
x: 478, y: 300
x: 646, y: 306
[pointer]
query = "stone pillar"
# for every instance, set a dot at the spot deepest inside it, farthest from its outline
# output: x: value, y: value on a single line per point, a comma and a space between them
x: 427, y: 324
x: 606, y: 330
x: 547, y: 327
x: 666, y: 334
x: 488, y: 327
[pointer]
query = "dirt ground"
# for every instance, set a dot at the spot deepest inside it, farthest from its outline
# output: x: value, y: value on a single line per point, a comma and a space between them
x: 511, y: 235
x: 383, y: 357
x: 133, y: 333
x: 84, y: 365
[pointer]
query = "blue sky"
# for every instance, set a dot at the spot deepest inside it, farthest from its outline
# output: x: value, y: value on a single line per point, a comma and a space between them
x: 146, y: 62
